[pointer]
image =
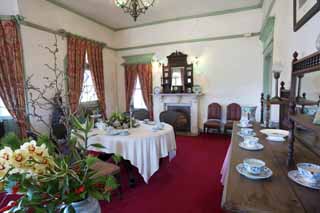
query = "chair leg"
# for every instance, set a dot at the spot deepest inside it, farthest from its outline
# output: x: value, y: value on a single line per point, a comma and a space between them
x: 118, y: 177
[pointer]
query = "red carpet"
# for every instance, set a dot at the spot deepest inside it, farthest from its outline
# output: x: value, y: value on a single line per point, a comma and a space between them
x: 188, y: 184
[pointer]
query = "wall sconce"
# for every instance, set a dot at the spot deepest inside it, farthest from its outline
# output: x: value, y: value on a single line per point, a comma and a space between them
x: 194, y: 60
x: 277, y: 68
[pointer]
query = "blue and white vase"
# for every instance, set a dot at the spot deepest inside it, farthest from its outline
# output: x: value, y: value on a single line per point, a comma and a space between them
x: 89, y: 205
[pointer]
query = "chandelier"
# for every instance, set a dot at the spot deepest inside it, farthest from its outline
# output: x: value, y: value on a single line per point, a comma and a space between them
x: 134, y: 7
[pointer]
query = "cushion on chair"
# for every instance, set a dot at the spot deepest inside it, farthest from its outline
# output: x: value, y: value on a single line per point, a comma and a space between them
x: 213, y: 124
x: 105, y: 168
x: 229, y: 125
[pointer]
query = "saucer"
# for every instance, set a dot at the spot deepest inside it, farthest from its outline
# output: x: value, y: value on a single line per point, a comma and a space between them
x: 256, y: 147
x: 276, y: 139
x: 298, y: 178
x: 240, y: 134
x: 267, y: 173
x: 244, y: 126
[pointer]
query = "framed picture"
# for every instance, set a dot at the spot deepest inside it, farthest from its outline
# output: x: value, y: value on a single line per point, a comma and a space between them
x: 303, y: 11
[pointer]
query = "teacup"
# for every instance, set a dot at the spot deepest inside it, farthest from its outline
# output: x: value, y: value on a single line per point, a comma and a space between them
x: 246, y: 131
x: 250, y: 140
x: 101, y: 125
x: 309, y: 171
x: 254, y: 166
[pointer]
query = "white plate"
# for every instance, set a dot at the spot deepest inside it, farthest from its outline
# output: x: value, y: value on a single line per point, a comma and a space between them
x: 298, y: 178
x: 247, y: 126
x: 256, y: 147
x: 275, y: 132
x: 240, y: 134
x: 267, y: 173
x: 275, y: 139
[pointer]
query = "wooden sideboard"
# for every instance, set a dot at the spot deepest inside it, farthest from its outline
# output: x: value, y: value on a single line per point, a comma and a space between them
x: 277, y: 194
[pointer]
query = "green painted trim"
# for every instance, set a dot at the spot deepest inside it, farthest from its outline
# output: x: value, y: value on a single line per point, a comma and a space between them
x: 268, y: 14
x: 79, y: 14
x: 60, y: 32
x: 188, y: 41
x: 214, y: 13
x: 139, y: 59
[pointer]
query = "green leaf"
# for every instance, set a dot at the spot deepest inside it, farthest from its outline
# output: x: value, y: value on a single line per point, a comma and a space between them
x: 91, y: 160
x: 76, y: 123
x: 116, y: 158
x: 97, y: 145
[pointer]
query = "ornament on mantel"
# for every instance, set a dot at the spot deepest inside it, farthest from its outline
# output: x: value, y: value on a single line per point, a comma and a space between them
x: 318, y: 43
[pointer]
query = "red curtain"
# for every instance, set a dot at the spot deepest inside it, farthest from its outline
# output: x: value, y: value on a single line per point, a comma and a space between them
x: 95, y: 59
x: 145, y: 77
x: 76, y: 65
x: 130, y: 82
x: 11, y: 74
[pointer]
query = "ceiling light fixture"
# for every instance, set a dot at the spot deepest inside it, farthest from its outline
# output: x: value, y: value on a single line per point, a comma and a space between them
x: 134, y: 7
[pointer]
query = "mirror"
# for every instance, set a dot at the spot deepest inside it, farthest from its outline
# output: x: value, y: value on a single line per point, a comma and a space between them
x: 308, y: 92
x: 177, y: 76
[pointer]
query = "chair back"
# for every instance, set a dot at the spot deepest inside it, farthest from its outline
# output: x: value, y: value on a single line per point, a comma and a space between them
x: 140, y: 114
x: 233, y: 112
x: 214, y: 111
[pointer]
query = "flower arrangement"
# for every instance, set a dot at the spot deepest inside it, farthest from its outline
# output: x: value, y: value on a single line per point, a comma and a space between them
x: 120, y: 121
x: 48, y: 181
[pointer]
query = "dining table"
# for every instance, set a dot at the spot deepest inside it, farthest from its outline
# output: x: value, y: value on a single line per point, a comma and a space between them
x: 275, y: 194
x: 144, y: 146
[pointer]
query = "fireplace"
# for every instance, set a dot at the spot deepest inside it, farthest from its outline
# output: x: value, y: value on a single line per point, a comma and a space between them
x: 187, y: 103
x: 184, y: 122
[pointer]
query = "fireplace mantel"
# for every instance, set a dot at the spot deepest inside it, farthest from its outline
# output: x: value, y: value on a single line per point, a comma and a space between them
x: 163, y: 100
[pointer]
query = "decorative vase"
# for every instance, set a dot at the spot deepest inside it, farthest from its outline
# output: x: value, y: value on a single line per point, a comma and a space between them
x: 89, y: 205
x: 249, y: 112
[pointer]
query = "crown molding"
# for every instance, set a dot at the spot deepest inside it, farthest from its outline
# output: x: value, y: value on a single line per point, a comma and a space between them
x: 204, y: 15
x: 213, y: 13
x: 138, y: 59
x: 190, y: 41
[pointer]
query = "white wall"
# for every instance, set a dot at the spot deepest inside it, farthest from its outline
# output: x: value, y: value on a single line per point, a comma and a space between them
x: 286, y: 42
x: 9, y: 7
x: 46, y: 14
x: 228, y: 71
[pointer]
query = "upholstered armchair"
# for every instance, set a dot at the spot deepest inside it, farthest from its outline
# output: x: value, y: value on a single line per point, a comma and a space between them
x: 233, y: 114
x: 214, y: 118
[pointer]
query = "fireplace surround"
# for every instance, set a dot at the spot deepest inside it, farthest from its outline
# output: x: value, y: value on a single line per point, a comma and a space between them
x: 187, y: 103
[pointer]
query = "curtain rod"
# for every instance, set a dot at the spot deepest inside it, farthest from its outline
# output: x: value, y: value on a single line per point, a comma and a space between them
x: 61, y: 32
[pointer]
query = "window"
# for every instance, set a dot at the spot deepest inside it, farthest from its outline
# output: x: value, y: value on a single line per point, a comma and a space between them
x: 88, y: 91
x: 3, y: 110
x: 138, y: 102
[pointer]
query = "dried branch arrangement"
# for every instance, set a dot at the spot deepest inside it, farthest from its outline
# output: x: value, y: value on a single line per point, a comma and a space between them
x: 52, y: 95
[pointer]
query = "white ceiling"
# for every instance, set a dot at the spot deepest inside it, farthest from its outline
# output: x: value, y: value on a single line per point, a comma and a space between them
x: 105, y: 11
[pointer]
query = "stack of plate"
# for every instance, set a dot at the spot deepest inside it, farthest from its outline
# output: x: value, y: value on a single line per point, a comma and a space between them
x: 277, y: 135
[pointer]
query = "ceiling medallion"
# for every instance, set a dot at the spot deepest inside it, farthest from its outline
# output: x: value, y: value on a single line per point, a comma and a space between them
x: 134, y: 7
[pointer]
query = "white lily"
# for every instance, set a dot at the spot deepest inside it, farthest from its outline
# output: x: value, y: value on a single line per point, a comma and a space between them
x: 19, y: 158
x: 6, y: 153
x: 4, y: 167
x: 29, y: 146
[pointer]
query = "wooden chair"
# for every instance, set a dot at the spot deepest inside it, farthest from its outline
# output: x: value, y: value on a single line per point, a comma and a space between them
x: 214, y: 118
x: 233, y: 114
x: 103, y: 168
x: 140, y: 114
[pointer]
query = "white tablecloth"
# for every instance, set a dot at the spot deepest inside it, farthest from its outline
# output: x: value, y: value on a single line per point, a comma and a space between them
x: 143, y: 147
